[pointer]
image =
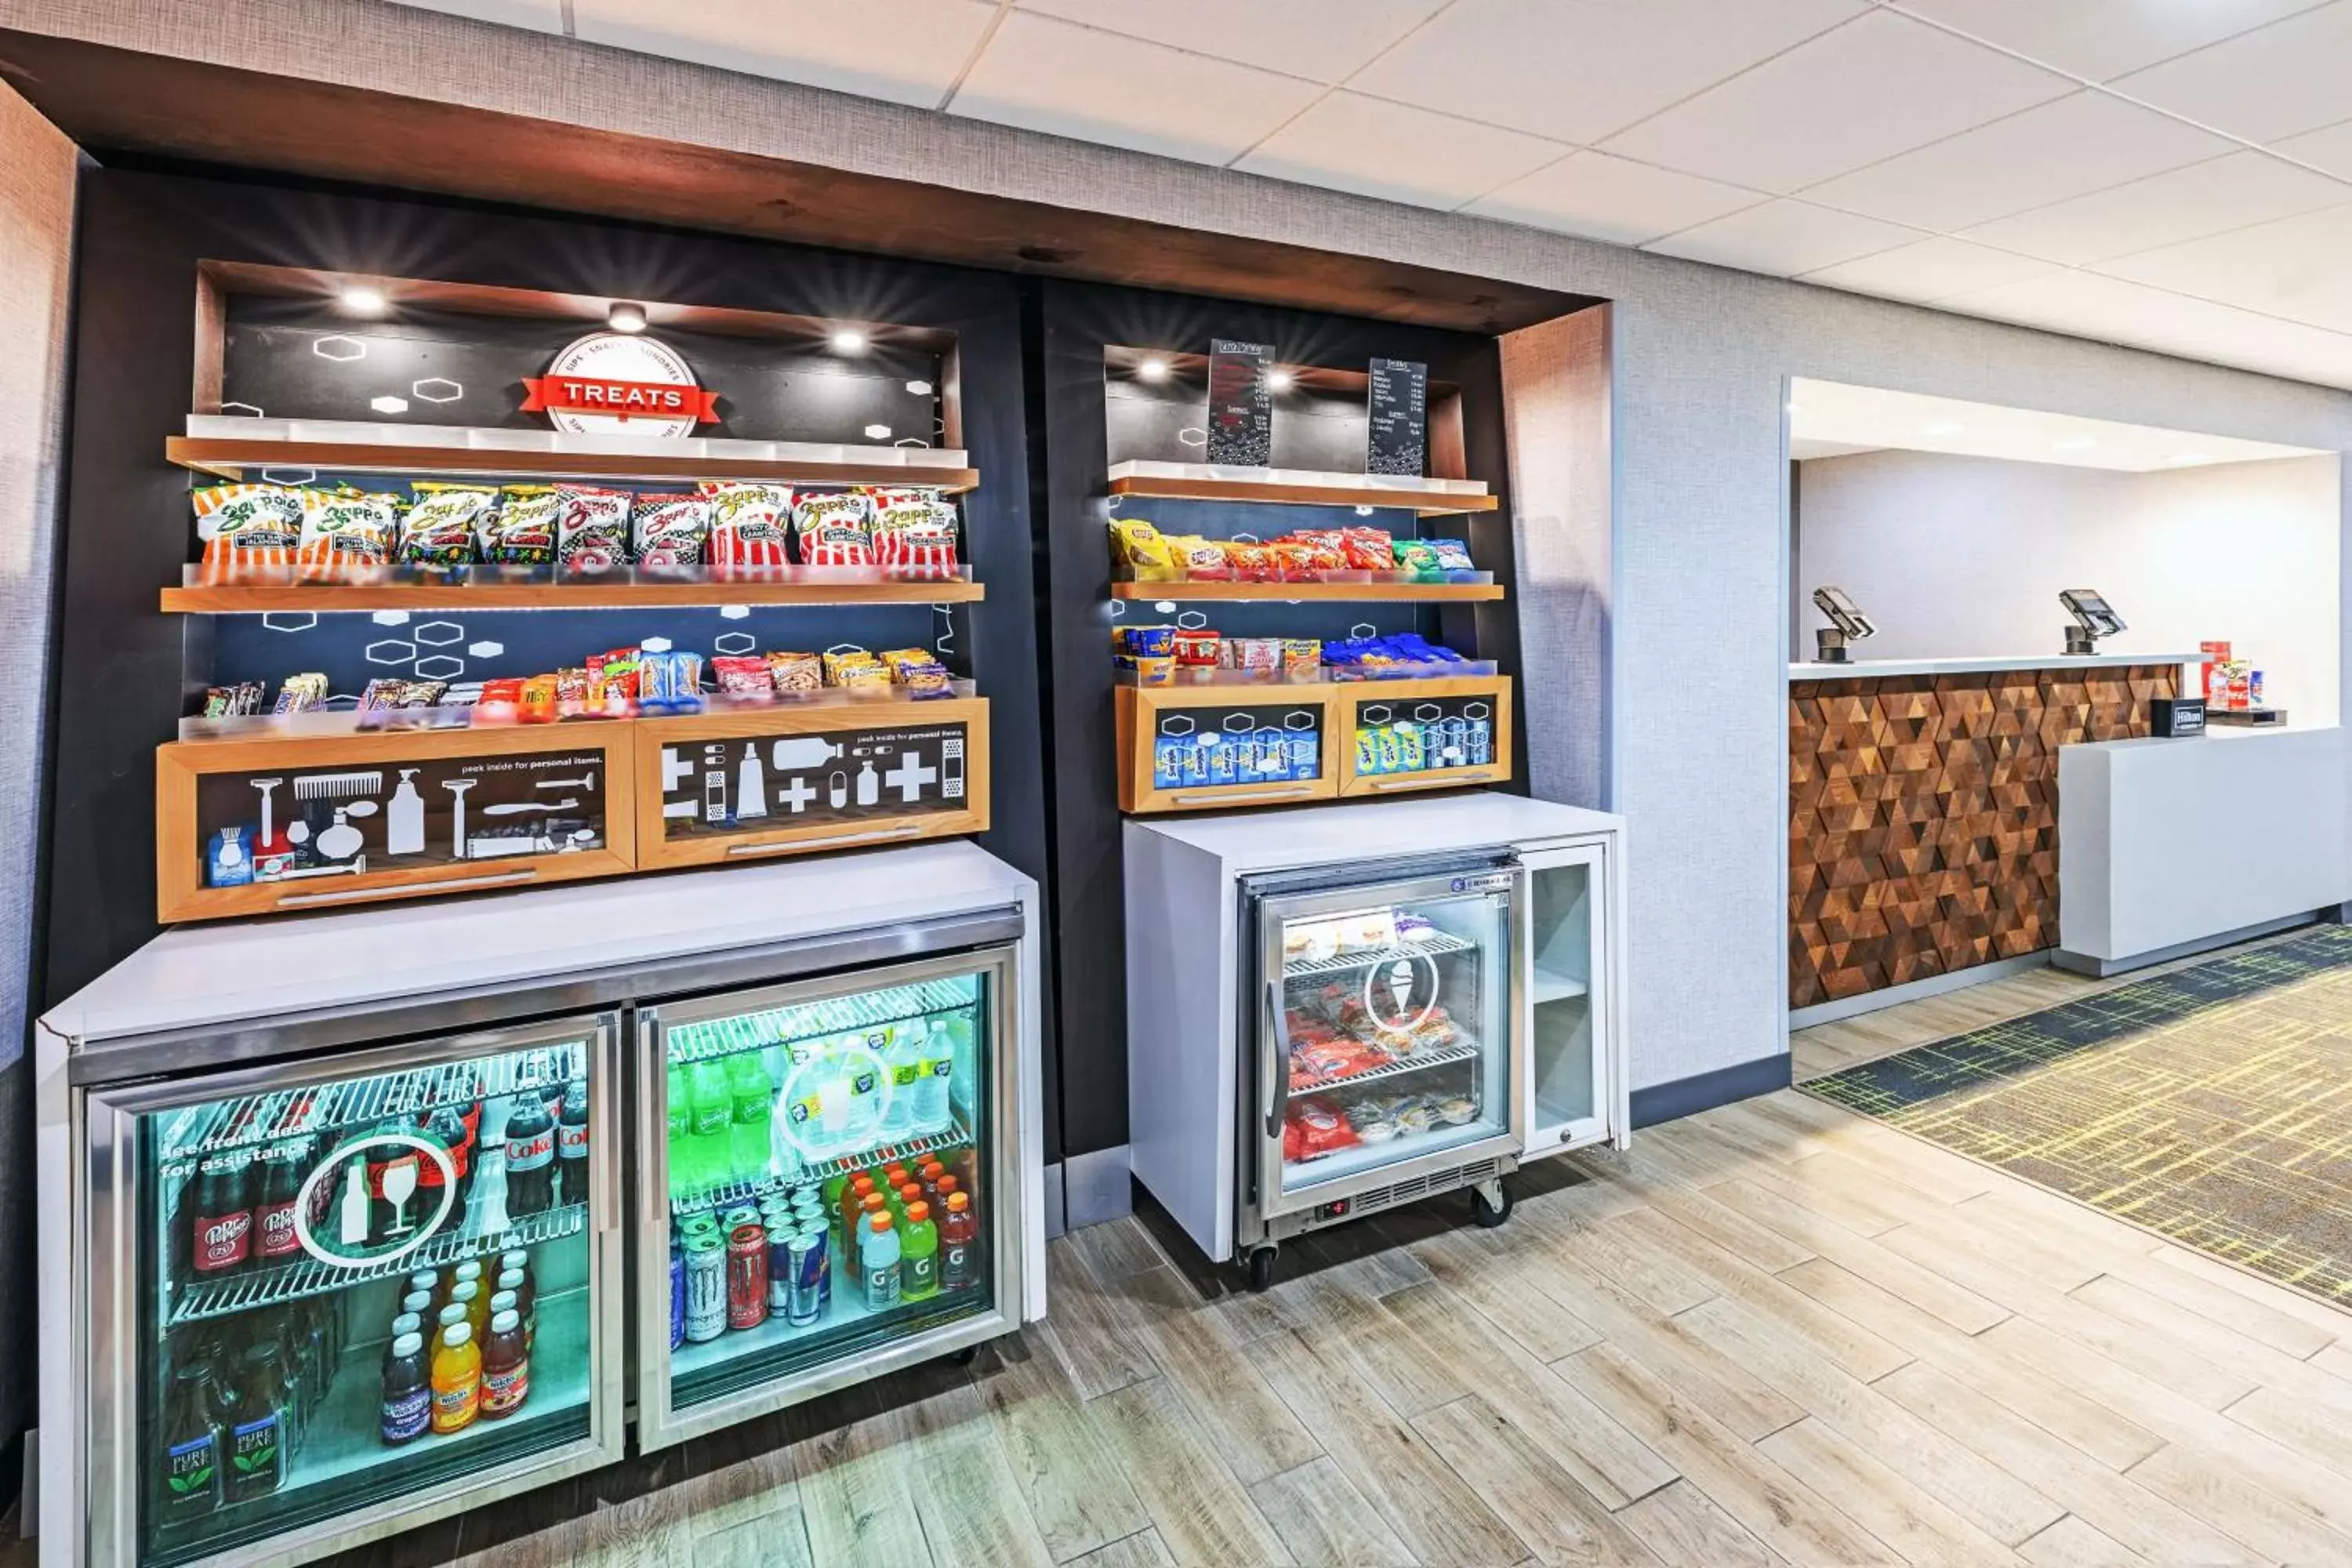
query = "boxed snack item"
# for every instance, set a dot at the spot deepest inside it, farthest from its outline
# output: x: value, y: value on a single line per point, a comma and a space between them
x: 795, y: 673
x: 1144, y: 642
x: 592, y: 527
x: 1197, y: 649
x: 671, y: 530
x: 1263, y: 655
x: 444, y: 523
x: 1302, y: 656
x: 914, y: 531
x: 347, y: 527
x: 855, y: 670
x: 750, y: 525
x: 522, y: 531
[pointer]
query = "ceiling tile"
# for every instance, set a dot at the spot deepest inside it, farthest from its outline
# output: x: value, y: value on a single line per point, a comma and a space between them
x: 1350, y: 142
x: 2329, y: 149
x: 2294, y: 268
x: 2275, y: 82
x: 547, y: 15
x: 2211, y: 197
x: 908, y: 51
x: 1051, y: 75
x: 1577, y: 69
x: 1608, y: 198
x: 1928, y: 271
x: 1326, y: 39
x: 1784, y: 238
x: 2111, y: 309
x: 1871, y: 88
x: 2103, y: 38
x: 2085, y: 143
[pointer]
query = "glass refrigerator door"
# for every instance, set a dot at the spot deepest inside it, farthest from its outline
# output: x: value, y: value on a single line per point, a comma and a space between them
x: 829, y: 1187
x: 331, y: 1297
x: 1570, y: 1088
x: 1389, y: 1046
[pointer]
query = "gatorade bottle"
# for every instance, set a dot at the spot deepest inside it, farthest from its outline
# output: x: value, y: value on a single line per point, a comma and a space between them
x: 713, y: 1131
x: 919, y: 1254
x: 948, y: 1186
x: 853, y: 1208
x: 679, y: 1098
x: 877, y: 1263
x: 407, y: 1391
x: 905, y: 1063
x: 909, y: 1195
x: 929, y: 1177
x: 958, y: 1245
x: 753, y: 1099
x: 506, y: 1368
x: 457, y: 1380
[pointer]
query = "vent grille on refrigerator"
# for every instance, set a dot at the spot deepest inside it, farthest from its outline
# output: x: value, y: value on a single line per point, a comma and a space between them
x: 1419, y: 1187
x: 690, y: 1043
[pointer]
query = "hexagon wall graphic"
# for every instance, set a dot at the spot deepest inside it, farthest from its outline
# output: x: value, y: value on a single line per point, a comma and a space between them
x: 390, y: 652
x: 288, y: 621
x: 734, y: 612
x: 440, y: 667
x: 340, y: 348
x: 485, y: 649
x: 655, y: 645
x: 734, y: 643
x: 444, y: 390
x: 390, y: 617
x: 439, y: 634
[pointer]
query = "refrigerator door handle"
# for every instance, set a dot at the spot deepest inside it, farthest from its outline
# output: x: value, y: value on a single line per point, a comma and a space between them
x: 1270, y: 1074
x: 605, y: 1125
x: 652, y: 1122
x: 1523, y: 1000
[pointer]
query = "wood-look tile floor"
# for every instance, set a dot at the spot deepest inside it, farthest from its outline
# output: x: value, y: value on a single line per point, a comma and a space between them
x: 1771, y: 1333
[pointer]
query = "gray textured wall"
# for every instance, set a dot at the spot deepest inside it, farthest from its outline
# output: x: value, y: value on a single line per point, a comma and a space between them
x: 1696, y: 742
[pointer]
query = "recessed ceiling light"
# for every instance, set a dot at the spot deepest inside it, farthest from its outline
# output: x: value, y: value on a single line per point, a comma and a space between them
x: 1277, y: 381
x: 848, y: 340
x: 919, y: 388
x: 877, y: 432
x: 362, y: 300
x: 1153, y: 370
x: 2189, y: 459
x: 389, y: 405
x: 2074, y: 443
x: 1942, y: 428
x: 624, y: 317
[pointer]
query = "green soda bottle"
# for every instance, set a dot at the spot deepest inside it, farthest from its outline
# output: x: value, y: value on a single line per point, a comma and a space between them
x: 918, y: 1254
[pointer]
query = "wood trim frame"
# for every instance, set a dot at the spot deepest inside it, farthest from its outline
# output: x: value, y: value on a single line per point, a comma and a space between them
x: 1351, y: 698
x: 655, y: 852
x: 1136, y: 719
x: 180, y: 892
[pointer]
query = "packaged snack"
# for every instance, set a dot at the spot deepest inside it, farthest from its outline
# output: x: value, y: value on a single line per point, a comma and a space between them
x: 1138, y: 546
x: 1418, y: 558
x: 421, y: 693
x: 612, y: 681
x: 249, y: 525
x: 444, y: 523
x: 855, y: 670
x: 521, y: 531
x: 1148, y: 670
x: 1369, y: 548
x: 835, y: 528
x: 464, y: 694
x: 1316, y: 550
x: 671, y: 530
x: 539, y: 703
x: 1150, y: 642
x: 1412, y: 928
x: 572, y: 691
x: 1322, y: 1128
x: 897, y: 657
x: 670, y: 680
x: 239, y: 702
x: 1302, y: 656
x: 1252, y: 562
x: 1196, y: 649
x: 592, y: 527
x: 927, y: 679
x: 742, y: 676
x: 1197, y: 560
x: 1261, y: 653
x: 1452, y: 555
x: 795, y: 673
x: 501, y: 703
x: 914, y: 531
x: 749, y: 524
x: 301, y: 693
x: 347, y: 528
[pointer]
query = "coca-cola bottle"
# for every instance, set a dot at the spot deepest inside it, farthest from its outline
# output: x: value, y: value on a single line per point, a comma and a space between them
x: 530, y: 1157
x: 275, y: 1237
x: 445, y: 1127
x: 572, y: 1143
x: 221, y: 1227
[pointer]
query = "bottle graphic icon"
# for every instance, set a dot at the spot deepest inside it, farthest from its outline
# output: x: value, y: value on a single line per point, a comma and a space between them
x: 403, y: 829
x: 750, y: 784
x: 869, y: 787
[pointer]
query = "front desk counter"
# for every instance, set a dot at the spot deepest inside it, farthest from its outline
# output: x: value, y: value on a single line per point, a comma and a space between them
x: 1924, y: 826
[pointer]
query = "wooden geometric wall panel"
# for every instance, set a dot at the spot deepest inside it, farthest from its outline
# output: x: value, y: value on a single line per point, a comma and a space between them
x: 1923, y: 815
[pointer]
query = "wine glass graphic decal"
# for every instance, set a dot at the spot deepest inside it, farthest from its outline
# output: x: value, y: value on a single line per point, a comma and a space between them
x: 399, y: 1186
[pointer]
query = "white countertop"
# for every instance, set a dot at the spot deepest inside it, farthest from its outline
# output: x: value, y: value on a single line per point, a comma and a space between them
x: 198, y: 975
x: 1376, y: 830
x: 1868, y: 668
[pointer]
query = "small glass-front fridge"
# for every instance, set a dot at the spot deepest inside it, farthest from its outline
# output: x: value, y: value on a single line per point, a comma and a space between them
x: 827, y: 1169
x: 334, y: 1294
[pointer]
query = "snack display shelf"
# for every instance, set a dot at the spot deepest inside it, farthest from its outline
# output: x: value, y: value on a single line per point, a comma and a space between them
x: 1436, y: 944
x: 899, y: 1151
x: 1185, y: 677
x: 278, y: 1114
x: 687, y: 1043
x: 258, y: 591
x: 331, y: 723
x: 330, y: 447
x: 1463, y: 1049
x: 1359, y: 587
x: 297, y: 1281
x: 1297, y: 487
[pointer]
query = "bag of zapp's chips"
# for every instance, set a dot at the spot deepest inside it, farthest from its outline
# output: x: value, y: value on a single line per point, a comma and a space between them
x: 749, y: 524
x: 592, y: 527
x: 521, y: 532
x: 443, y: 524
x: 835, y: 528
x: 672, y: 529
x: 914, y: 532
x: 249, y: 525
x: 346, y: 528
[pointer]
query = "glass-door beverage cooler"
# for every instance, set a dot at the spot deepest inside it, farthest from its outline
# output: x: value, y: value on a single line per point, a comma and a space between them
x: 328, y: 1296
x: 825, y: 1170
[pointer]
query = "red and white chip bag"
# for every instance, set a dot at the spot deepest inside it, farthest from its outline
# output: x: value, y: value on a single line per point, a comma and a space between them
x: 914, y: 532
x: 750, y: 525
x: 835, y: 528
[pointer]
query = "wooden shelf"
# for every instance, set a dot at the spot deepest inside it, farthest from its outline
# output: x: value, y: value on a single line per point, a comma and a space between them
x: 1283, y: 593
x: 230, y: 458
x: 1428, y: 503
x: 412, y: 594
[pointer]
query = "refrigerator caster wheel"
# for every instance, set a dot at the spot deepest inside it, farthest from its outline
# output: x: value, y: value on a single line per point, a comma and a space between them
x: 965, y: 1357
x: 1261, y: 1269
x: 1490, y: 1213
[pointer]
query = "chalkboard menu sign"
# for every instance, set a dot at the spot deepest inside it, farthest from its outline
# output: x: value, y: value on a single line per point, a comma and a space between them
x: 1397, y: 438
x: 1241, y: 404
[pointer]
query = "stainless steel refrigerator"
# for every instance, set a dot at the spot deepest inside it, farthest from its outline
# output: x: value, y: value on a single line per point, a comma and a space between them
x: 391, y: 1250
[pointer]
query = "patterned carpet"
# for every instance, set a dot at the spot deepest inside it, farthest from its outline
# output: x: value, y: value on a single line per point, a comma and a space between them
x: 2212, y: 1105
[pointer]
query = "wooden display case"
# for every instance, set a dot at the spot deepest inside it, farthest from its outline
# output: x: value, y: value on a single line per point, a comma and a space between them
x: 537, y: 804
x: 1472, y: 699
x: 830, y: 777
x: 1143, y: 712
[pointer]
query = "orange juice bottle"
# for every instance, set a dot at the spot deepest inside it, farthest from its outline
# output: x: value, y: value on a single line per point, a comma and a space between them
x: 457, y: 1379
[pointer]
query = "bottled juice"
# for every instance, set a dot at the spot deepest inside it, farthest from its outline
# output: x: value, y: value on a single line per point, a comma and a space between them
x: 407, y: 1389
x: 506, y: 1367
x: 852, y: 1209
x: 877, y: 1261
x: 467, y: 1273
x: 470, y: 1297
x: 457, y: 1380
x: 517, y: 1282
x: 958, y: 1245
x: 918, y: 1268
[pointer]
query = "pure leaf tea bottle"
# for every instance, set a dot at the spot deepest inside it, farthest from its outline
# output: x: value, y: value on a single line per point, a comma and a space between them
x: 191, y: 1468
x: 255, y: 1440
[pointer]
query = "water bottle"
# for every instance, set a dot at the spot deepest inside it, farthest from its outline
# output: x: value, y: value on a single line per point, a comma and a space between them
x: 939, y: 1052
x: 908, y: 1070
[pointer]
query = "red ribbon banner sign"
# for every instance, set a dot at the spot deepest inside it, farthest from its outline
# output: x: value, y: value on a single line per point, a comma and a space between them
x: 593, y: 395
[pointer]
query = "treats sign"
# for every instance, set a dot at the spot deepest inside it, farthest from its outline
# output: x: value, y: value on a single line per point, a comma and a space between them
x: 610, y: 381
